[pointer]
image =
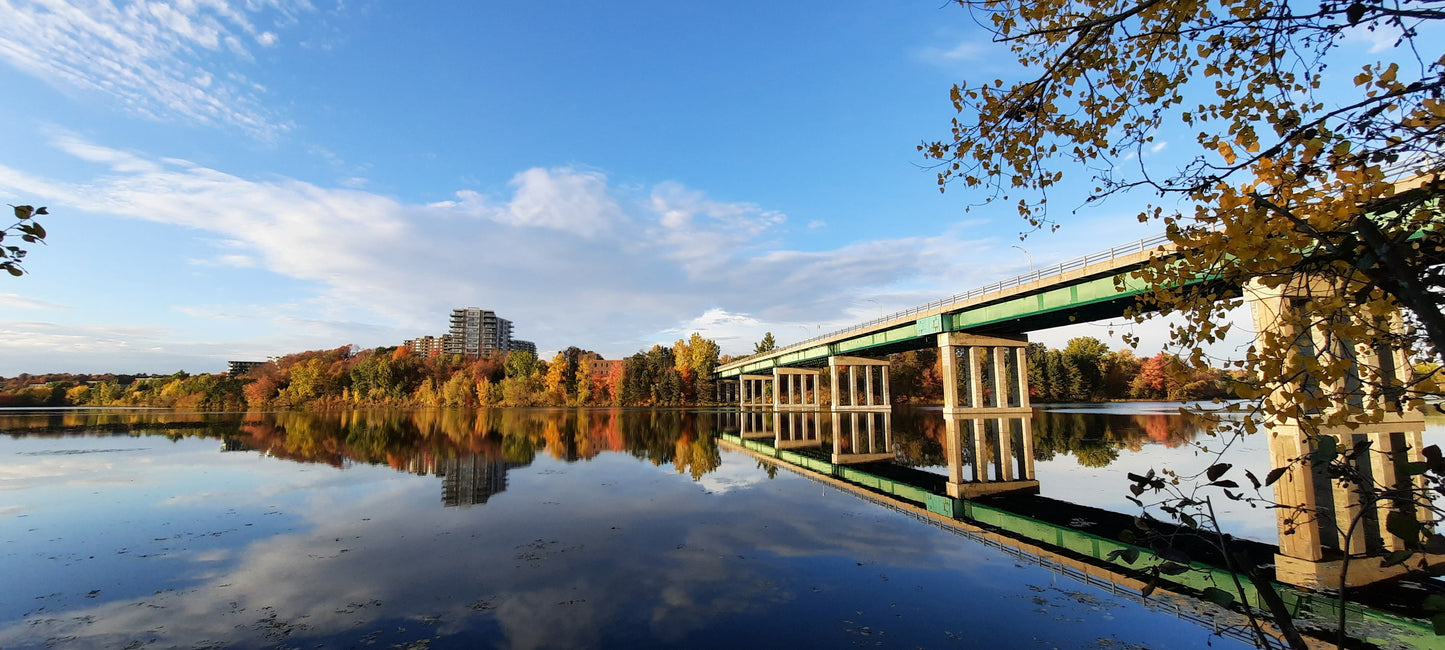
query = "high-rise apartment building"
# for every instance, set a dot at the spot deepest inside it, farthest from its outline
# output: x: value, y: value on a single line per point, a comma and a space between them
x: 475, y: 332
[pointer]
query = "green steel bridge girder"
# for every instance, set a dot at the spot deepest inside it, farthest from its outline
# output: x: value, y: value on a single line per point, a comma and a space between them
x: 1088, y: 300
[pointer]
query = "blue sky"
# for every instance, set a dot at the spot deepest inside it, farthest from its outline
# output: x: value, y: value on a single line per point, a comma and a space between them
x: 236, y: 180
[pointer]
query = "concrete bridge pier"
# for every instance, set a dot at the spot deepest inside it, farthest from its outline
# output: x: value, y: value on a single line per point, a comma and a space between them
x: 756, y: 425
x: 756, y: 391
x: 726, y: 391
x: 797, y: 430
x: 1318, y: 510
x: 797, y: 388
x: 992, y: 446
x: 845, y: 392
x: 984, y: 375
x: 862, y: 437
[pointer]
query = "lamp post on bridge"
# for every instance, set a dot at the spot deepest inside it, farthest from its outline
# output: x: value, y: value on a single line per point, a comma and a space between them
x: 1030, y: 256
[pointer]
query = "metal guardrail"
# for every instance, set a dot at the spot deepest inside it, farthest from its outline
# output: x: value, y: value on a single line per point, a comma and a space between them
x: 1142, y: 245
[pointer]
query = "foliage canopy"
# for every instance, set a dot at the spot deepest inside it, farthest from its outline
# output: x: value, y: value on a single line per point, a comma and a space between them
x: 1300, y: 171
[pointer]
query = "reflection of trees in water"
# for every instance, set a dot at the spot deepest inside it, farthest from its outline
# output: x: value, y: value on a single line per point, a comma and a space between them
x: 1094, y: 439
x: 417, y: 440
x: 918, y: 436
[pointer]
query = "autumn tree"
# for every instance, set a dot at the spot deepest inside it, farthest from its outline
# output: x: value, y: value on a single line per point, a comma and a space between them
x: 695, y: 359
x: 1300, y: 173
x: 30, y: 232
x: 555, y: 381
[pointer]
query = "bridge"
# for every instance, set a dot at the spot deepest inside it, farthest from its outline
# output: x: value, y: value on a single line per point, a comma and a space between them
x: 982, y: 337
x: 965, y: 326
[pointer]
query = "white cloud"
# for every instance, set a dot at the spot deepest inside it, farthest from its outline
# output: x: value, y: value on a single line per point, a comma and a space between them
x: 159, y: 61
x: 18, y: 301
x: 568, y: 256
x: 963, y: 51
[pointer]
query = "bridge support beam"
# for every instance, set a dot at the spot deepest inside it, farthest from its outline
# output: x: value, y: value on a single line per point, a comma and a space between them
x: 797, y: 430
x: 793, y: 390
x: 726, y: 391
x: 862, y: 437
x: 990, y: 443
x: 1317, y: 510
x: 755, y: 391
x: 845, y: 386
x: 974, y: 384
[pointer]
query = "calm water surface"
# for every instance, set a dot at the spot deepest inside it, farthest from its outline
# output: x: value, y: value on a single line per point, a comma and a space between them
x: 533, y: 528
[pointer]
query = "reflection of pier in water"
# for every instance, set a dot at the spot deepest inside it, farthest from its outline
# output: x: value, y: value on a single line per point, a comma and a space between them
x: 991, y: 495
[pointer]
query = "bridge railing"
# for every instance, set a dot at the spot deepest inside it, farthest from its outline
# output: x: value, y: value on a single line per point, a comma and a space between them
x: 1143, y: 245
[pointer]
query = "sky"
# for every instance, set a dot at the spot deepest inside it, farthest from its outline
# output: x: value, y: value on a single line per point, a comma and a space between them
x: 240, y: 180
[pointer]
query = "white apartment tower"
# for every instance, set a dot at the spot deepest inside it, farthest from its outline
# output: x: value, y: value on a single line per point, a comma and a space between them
x: 475, y: 332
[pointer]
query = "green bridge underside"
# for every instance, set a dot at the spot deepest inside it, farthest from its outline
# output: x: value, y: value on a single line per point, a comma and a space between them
x: 1083, y: 299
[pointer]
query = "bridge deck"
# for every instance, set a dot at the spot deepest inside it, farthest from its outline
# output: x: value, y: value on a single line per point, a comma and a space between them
x: 1080, y: 290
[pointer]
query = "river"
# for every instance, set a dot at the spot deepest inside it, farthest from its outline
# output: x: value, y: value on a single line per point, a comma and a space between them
x: 529, y: 528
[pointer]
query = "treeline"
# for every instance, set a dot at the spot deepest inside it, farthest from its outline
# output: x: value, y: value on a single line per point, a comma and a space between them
x: 1086, y: 370
x: 392, y: 376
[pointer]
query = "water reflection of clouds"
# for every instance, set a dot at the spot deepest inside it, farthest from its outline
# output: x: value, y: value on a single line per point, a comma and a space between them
x: 606, y: 551
x: 554, y: 575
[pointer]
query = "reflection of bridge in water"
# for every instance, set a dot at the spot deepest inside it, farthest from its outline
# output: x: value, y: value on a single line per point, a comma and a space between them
x: 991, y: 494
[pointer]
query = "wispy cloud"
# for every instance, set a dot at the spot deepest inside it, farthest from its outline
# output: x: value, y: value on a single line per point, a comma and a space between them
x: 568, y: 255
x: 166, y: 62
x: 967, y: 50
x: 18, y: 301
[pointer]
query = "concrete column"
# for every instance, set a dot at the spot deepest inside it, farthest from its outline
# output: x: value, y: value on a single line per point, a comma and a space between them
x: 1295, y: 490
x: 981, y: 458
x: 868, y: 383
x: 1422, y: 495
x: 836, y: 400
x: 1021, y: 356
x: 1000, y: 377
x: 1028, y: 435
x: 1382, y: 467
x: 948, y: 367
x: 953, y: 448
x: 886, y: 400
x: 852, y: 386
x: 1005, y: 448
x: 975, y: 380
x: 1347, y: 506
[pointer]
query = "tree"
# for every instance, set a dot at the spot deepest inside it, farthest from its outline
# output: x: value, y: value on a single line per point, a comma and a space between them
x: 556, y: 380
x: 521, y: 363
x: 1298, y: 172
x: 1314, y: 192
x: 30, y: 231
x: 765, y: 345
